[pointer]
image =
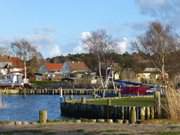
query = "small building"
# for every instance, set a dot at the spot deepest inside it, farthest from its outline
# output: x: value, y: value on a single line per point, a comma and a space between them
x: 149, y: 75
x: 74, y: 69
x: 49, y: 71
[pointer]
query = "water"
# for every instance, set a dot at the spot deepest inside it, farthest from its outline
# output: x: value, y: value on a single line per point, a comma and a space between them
x: 26, y: 108
x: 2, y: 104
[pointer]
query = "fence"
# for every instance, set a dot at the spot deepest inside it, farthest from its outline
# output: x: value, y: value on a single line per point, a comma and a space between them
x: 78, y: 110
x: 93, y: 111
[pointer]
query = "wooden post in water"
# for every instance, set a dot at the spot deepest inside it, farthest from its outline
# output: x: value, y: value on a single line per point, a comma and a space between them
x: 109, y: 102
x: 83, y: 100
x: 43, y: 116
x: 94, y: 93
x: 157, y: 98
x: 61, y: 92
x: 147, y: 113
x: 142, y: 113
x: 65, y: 100
x: 152, y: 112
x: 133, y: 115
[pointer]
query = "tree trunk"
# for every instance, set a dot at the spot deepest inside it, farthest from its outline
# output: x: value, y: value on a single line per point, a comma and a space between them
x: 163, y: 68
x: 100, y: 75
x: 25, y: 70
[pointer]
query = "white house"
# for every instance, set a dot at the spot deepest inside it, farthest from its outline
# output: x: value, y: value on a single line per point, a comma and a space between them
x: 11, y: 71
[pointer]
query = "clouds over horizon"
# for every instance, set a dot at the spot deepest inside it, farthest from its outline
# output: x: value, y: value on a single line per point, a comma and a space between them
x: 46, y: 44
x: 42, y: 39
x: 121, y: 46
x: 80, y: 47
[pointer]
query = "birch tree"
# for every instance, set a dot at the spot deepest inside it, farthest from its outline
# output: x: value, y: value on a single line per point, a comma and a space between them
x: 158, y: 42
x: 100, y: 44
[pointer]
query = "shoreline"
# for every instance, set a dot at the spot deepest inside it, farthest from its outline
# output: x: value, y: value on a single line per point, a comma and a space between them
x: 91, y: 128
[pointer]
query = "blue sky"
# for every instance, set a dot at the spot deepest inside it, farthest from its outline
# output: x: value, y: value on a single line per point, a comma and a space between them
x: 55, y: 26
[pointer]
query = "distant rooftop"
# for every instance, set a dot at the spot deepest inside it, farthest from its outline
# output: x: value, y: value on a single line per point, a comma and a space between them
x: 15, y: 61
x: 151, y: 70
x: 78, y: 66
x: 54, y: 67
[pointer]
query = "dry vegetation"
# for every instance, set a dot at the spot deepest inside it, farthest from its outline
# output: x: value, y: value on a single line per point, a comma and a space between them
x: 172, y: 102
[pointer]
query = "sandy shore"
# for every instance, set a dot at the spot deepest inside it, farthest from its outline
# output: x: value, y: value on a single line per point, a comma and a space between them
x: 92, y: 129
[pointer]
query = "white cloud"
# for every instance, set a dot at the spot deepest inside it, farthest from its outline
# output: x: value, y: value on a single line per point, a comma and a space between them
x: 85, y: 35
x: 42, y: 39
x: 46, y: 44
x: 122, y: 46
x: 81, y: 47
x: 53, y: 50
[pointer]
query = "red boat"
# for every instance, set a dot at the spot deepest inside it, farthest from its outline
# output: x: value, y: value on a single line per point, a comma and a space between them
x: 132, y: 88
x: 141, y: 90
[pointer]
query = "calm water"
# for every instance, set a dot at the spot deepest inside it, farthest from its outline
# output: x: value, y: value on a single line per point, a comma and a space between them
x: 26, y: 108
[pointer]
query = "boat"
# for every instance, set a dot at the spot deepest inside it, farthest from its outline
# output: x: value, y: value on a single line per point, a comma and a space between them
x: 134, y: 88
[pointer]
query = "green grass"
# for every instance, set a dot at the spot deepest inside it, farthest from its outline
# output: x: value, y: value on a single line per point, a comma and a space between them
x: 44, y: 84
x: 126, y: 101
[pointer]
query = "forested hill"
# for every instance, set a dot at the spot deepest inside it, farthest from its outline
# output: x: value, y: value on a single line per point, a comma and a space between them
x: 135, y: 60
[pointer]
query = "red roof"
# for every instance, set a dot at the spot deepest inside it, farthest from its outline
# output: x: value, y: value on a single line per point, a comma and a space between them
x: 15, y: 61
x: 78, y: 66
x: 54, y: 67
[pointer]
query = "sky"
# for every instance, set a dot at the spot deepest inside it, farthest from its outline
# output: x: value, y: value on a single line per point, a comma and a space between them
x: 56, y: 27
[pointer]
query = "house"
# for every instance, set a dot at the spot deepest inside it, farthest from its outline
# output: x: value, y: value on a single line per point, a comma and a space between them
x: 149, y: 75
x: 11, y: 71
x: 49, y: 71
x: 74, y: 69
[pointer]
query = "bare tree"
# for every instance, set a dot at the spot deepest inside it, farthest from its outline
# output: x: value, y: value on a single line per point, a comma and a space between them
x: 158, y: 42
x: 25, y: 51
x: 100, y: 44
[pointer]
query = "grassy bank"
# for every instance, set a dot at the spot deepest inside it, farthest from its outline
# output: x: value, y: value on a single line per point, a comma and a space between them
x: 45, y: 84
x: 127, y: 101
x: 124, y: 101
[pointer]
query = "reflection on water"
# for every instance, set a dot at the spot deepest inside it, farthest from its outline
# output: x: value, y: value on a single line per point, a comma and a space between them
x: 26, y: 108
x: 2, y: 103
